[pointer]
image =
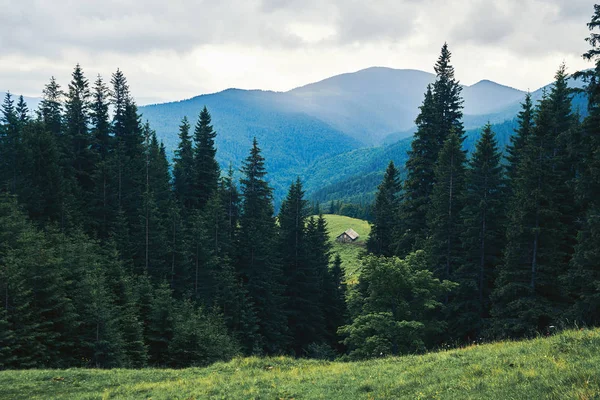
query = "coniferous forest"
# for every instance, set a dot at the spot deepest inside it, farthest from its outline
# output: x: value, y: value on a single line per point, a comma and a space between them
x: 113, y: 256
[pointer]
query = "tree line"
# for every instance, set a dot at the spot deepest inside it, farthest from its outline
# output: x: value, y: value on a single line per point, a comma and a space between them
x: 110, y: 257
x: 510, y: 243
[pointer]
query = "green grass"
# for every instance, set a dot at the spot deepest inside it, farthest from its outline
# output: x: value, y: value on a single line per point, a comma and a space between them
x: 565, y: 366
x: 349, y: 252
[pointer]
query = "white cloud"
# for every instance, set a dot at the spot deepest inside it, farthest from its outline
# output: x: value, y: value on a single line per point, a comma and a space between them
x: 177, y: 49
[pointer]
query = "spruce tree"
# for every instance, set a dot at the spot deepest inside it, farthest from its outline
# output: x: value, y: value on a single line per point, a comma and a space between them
x: 51, y: 108
x: 183, y: 167
x: 129, y: 168
x: 440, y: 116
x: 258, y: 259
x: 79, y: 155
x: 334, y: 302
x: 206, y: 169
x: 583, y: 280
x: 483, y: 236
x: 103, y: 201
x: 9, y: 145
x: 528, y: 296
x: 303, y: 281
x: 447, y: 201
x: 385, y: 212
x: 22, y: 111
x: 42, y: 190
x: 525, y: 120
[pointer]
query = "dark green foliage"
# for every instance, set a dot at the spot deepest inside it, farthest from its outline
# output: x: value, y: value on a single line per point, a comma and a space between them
x: 50, y: 110
x: 440, y: 117
x: 183, y: 167
x: 482, y: 238
x: 334, y: 302
x: 447, y: 98
x: 42, y: 190
x: 301, y: 270
x: 160, y: 325
x: 528, y: 296
x: 398, y: 303
x: 79, y: 156
x: 206, y: 170
x: 583, y: 281
x: 10, y: 130
x: 258, y: 260
x: 447, y: 201
x: 514, y: 150
x: 420, y: 176
x: 102, y: 203
x: 199, y: 338
x: 385, y: 210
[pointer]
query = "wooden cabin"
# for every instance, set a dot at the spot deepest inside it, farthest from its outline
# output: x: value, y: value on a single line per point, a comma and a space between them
x: 348, y: 236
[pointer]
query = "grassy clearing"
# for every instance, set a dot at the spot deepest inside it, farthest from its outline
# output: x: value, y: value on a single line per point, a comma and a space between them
x: 349, y: 252
x: 565, y: 366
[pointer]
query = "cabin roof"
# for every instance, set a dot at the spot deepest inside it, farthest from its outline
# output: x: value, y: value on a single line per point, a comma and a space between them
x: 351, y: 234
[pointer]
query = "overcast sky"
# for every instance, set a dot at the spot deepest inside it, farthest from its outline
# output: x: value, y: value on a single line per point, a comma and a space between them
x: 176, y: 49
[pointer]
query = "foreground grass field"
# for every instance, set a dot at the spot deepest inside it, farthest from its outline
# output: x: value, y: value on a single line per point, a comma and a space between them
x: 349, y: 252
x: 565, y: 366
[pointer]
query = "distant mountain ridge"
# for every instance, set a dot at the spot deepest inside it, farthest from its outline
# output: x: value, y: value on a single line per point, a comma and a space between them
x: 314, y: 130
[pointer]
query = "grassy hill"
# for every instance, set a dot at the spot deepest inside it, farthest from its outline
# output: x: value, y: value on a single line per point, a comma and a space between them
x: 349, y: 252
x: 565, y: 366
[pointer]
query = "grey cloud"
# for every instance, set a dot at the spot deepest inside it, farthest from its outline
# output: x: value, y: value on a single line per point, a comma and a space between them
x: 46, y: 28
x: 525, y: 27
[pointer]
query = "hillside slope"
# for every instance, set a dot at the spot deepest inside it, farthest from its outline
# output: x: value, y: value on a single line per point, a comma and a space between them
x: 290, y: 141
x: 565, y: 366
x: 349, y: 252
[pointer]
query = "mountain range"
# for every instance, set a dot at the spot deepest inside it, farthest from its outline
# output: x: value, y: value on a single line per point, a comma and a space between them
x: 336, y: 134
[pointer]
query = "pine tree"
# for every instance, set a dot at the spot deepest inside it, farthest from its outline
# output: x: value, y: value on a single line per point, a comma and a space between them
x: 258, y: 260
x: 418, y: 184
x: 483, y: 236
x: 42, y: 192
x: 386, y: 211
x: 447, y: 98
x: 9, y: 145
x: 525, y: 119
x: 51, y: 115
x: 528, y: 296
x: 440, y: 116
x: 447, y: 201
x: 22, y: 111
x: 583, y: 280
x: 129, y: 168
x: 157, y: 203
x: 184, y: 166
x: 230, y: 199
x: 303, y: 281
x: 102, y: 204
x: 51, y: 108
x: 334, y: 302
x: 160, y: 326
x: 79, y: 156
x: 206, y: 169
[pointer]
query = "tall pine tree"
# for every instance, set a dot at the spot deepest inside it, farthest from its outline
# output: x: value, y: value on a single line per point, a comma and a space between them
x: 258, y: 259
x: 385, y: 213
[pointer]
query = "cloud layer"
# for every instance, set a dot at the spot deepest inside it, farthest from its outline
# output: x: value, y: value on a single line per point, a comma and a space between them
x: 180, y: 48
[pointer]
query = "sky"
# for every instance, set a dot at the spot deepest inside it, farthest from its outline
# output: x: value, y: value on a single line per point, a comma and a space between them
x: 176, y: 49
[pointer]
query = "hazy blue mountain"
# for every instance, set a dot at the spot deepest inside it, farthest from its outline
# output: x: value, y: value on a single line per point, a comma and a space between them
x: 363, y: 169
x: 487, y: 97
x: 371, y: 104
x: 359, y: 172
x: 290, y: 140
